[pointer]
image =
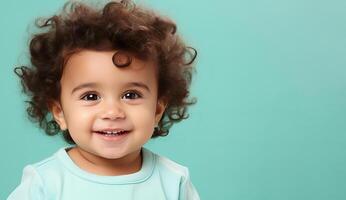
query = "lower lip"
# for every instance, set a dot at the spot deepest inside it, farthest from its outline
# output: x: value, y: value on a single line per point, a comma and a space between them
x: 113, y: 138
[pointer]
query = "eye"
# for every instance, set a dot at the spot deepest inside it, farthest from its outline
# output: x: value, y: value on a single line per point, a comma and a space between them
x: 131, y: 95
x: 90, y: 97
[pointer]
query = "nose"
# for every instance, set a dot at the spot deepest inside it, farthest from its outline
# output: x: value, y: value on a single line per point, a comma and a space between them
x: 112, y: 111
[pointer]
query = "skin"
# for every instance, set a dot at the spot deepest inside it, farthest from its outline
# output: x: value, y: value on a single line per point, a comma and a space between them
x: 110, y: 102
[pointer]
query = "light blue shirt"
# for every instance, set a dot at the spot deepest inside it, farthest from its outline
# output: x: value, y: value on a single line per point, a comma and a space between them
x: 58, y: 177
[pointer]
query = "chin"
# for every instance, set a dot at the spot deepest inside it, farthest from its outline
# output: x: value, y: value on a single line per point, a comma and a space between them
x: 115, y: 153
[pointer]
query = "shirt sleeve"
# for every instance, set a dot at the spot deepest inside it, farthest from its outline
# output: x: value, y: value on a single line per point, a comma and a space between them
x: 30, y: 188
x: 187, y: 190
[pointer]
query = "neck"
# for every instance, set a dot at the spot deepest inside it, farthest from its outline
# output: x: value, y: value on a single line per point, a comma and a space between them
x: 128, y: 164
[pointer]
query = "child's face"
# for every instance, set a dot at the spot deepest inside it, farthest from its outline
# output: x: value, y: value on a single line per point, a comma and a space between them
x: 97, y: 96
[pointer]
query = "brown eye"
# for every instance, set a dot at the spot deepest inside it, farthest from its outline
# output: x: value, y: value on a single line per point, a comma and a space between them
x: 121, y: 59
x: 91, y: 97
x: 131, y: 95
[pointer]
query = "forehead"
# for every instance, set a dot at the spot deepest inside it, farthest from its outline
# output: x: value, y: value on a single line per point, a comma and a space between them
x: 97, y: 66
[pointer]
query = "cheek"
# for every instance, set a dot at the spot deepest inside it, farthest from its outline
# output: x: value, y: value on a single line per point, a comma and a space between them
x: 143, y: 116
x: 78, y: 118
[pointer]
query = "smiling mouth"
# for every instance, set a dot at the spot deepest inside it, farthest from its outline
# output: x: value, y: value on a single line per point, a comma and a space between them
x: 112, y: 133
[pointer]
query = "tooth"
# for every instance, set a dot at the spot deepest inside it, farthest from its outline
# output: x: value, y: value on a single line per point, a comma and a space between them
x: 113, y: 132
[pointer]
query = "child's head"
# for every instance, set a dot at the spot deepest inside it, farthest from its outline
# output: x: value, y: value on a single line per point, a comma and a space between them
x: 120, y: 67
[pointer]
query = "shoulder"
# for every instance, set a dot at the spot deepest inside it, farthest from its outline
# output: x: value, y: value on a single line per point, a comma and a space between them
x: 175, y: 177
x: 34, y: 180
x: 47, y: 167
x: 167, y: 164
x: 47, y: 171
x: 169, y: 167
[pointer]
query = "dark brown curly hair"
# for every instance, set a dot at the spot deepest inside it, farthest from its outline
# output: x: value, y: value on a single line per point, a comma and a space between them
x: 117, y: 25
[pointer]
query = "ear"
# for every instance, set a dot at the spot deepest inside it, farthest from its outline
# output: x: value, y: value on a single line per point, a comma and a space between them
x: 58, y: 115
x: 160, y: 109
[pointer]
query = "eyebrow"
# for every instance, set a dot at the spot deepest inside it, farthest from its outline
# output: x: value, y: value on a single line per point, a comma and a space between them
x: 92, y: 84
x: 138, y: 84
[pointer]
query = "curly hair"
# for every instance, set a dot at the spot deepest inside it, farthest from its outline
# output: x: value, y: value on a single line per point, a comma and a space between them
x: 118, y: 25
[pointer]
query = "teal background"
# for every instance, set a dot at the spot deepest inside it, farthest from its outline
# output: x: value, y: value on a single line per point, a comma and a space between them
x: 270, y: 118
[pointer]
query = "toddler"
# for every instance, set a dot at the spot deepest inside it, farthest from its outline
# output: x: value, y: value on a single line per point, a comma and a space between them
x: 108, y: 79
